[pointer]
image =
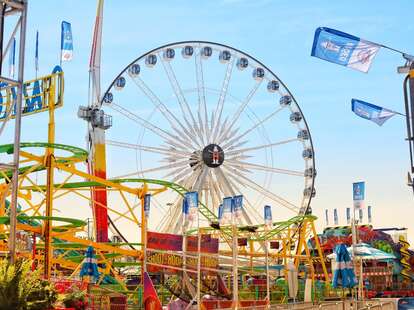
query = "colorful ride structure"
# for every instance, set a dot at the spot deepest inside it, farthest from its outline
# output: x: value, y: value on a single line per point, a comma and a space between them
x: 388, y: 240
x: 52, y: 180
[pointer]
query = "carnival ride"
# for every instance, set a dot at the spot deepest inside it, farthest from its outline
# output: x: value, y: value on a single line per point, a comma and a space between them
x: 52, y: 177
x: 216, y: 121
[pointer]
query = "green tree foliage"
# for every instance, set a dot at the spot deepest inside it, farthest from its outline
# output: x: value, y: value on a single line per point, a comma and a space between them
x: 22, y: 289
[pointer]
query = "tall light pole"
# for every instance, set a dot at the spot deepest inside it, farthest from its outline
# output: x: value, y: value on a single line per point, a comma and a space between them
x: 9, y: 8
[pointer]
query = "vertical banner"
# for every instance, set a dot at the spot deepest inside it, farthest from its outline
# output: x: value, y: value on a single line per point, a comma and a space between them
x: 358, y: 190
x: 335, y: 216
x: 192, y: 204
x: 348, y: 215
x: 66, y: 42
x: 220, y: 212
x: 37, y: 53
x: 361, y: 215
x: 185, y: 208
x: 369, y: 214
x: 326, y: 217
x: 268, y: 215
x: 227, y: 209
x: 147, y: 205
x: 12, y: 59
x: 238, y: 205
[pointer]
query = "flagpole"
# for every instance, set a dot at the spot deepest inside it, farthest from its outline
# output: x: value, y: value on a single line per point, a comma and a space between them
x: 354, y: 246
x: 235, y: 269
x: 267, y: 266
x: 198, y: 263
x: 37, y: 54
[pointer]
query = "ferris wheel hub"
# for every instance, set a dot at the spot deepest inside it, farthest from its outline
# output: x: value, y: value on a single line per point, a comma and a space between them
x: 213, y: 155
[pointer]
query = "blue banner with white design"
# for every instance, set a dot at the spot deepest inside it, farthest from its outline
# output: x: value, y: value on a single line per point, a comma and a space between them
x: 238, y: 205
x: 147, y: 204
x: 268, y: 215
x: 192, y: 204
x: 358, y: 190
x: 220, y: 212
x: 372, y: 112
x: 343, y: 49
x: 66, y: 42
x: 326, y: 217
x: 227, y: 210
x: 185, y: 207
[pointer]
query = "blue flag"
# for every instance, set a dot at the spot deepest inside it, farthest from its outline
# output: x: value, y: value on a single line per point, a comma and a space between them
x: 237, y: 205
x: 220, y: 212
x: 343, y: 49
x: 227, y: 210
x: 147, y: 204
x: 358, y: 190
x: 37, y: 52
x: 268, y: 215
x: 372, y: 112
x: 191, y: 199
x: 66, y: 42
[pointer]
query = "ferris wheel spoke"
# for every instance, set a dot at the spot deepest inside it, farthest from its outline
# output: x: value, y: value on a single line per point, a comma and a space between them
x: 160, y: 168
x: 239, y: 144
x: 214, y: 194
x: 239, y: 111
x: 216, y: 121
x: 246, y: 182
x: 198, y: 185
x: 238, y: 151
x: 228, y: 190
x: 169, y: 116
x: 151, y: 149
x: 202, y: 105
x: 239, y: 167
x: 235, y: 139
x: 236, y: 163
x: 183, y: 173
x: 146, y: 124
x: 185, y: 108
x: 178, y: 173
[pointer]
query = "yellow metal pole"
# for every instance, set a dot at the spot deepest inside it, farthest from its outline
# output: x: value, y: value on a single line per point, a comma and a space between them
x: 50, y: 177
x: 143, y: 236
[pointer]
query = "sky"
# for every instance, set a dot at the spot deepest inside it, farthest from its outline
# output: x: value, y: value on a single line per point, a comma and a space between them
x: 280, y: 34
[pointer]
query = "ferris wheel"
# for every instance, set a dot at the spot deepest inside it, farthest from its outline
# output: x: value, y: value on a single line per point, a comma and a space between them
x: 214, y: 120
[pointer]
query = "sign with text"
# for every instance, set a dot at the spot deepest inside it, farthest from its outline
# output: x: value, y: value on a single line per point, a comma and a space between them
x: 162, y: 241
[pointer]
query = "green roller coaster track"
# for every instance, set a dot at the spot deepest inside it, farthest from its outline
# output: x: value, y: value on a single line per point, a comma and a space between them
x: 82, y: 155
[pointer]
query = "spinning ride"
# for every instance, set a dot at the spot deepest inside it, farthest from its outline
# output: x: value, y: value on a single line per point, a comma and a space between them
x: 214, y: 120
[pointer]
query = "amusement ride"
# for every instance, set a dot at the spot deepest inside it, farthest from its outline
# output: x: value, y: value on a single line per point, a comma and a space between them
x: 186, y: 148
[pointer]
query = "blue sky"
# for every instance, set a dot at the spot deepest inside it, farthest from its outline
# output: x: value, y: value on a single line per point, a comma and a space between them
x: 280, y: 34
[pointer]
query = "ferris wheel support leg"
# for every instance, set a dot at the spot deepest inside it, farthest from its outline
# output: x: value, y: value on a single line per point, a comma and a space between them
x: 99, y: 194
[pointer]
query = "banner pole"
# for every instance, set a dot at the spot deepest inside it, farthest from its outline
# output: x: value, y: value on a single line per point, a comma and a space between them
x: 235, y: 269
